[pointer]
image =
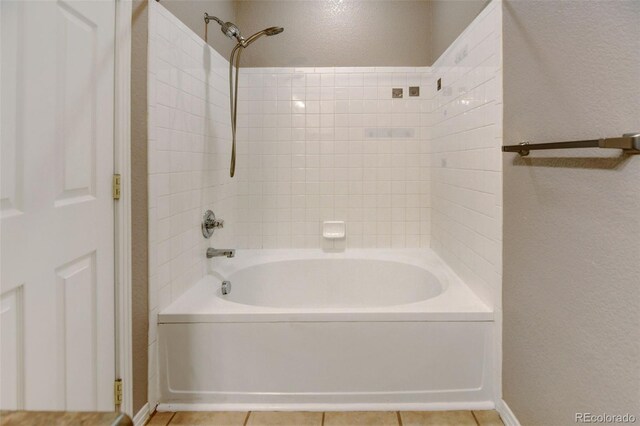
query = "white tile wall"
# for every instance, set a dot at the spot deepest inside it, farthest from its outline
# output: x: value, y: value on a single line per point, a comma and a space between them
x: 189, y: 149
x: 314, y: 146
x: 466, y: 172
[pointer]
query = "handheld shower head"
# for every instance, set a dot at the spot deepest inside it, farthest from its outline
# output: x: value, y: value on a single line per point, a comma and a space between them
x: 232, y: 31
x: 271, y: 31
x: 233, y: 99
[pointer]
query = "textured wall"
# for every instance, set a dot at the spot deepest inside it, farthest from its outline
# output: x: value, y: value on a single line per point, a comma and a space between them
x: 448, y: 19
x: 191, y: 13
x: 337, y: 33
x: 571, y: 218
x: 139, y: 226
x: 315, y: 146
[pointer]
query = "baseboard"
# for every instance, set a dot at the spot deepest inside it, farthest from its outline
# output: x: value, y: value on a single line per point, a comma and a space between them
x: 508, y: 418
x: 434, y: 406
x: 141, y: 416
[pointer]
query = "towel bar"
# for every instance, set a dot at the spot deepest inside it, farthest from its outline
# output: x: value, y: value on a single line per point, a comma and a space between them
x: 629, y: 143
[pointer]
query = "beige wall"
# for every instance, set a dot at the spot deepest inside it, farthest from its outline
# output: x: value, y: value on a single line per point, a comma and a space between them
x: 331, y: 33
x: 448, y: 19
x: 335, y: 33
x: 571, y: 224
x: 191, y: 13
x: 139, y: 216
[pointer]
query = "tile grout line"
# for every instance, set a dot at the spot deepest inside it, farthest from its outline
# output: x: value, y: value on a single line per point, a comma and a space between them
x: 248, y: 415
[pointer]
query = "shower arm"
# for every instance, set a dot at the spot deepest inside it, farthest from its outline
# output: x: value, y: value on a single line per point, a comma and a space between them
x: 208, y: 18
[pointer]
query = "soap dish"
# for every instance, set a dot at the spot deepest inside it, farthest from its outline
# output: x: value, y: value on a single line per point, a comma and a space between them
x: 334, y: 229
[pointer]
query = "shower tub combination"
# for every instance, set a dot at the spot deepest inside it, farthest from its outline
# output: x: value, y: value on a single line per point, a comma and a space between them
x: 307, y: 330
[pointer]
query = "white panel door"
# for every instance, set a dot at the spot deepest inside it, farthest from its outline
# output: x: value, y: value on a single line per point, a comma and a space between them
x: 57, y: 224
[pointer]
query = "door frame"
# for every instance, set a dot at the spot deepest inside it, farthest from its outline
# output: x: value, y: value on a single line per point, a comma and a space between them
x: 122, y: 207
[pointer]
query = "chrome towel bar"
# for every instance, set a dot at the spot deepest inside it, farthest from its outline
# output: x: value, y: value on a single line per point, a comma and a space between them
x: 629, y: 143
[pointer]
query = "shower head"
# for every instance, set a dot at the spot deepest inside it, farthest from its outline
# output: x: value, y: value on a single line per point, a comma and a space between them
x: 271, y: 31
x: 229, y: 29
x: 234, y: 61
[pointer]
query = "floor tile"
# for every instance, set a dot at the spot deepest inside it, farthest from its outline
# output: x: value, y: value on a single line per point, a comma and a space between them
x: 46, y: 418
x: 361, y: 418
x: 213, y: 418
x: 437, y: 418
x: 160, y: 419
x: 488, y: 418
x: 284, y: 418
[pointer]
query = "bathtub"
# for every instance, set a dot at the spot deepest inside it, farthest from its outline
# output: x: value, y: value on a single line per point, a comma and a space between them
x: 307, y: 330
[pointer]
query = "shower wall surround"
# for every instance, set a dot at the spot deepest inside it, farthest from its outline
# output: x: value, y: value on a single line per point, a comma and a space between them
x: 466, y: 140
x: 189, y: 149
x: 318, y: 144
x: 321, y: 144
x: 466, y: 168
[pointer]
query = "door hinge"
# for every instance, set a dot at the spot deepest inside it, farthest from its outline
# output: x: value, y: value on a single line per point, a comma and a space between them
x: 117, y: 391
x: 116, y: 186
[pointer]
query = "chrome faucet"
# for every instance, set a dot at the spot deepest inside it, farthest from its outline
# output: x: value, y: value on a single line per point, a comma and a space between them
x: 210, y: 224
x: 211, y: 252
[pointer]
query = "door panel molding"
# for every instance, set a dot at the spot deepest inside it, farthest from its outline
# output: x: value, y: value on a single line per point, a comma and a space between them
x: 77, y: 326
x: 11, y: 349
x: 12, y: 150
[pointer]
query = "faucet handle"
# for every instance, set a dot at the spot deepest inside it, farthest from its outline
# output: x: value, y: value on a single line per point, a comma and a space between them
x: 210, y: 223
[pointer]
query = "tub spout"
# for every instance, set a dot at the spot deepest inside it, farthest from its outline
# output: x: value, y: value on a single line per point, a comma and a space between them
x: 211, y: 252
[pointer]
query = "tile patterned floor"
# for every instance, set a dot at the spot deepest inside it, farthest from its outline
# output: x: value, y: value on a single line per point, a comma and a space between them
x: 329, y: 418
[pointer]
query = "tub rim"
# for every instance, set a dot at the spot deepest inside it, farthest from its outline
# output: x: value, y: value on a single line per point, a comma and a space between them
x: 200, y: 303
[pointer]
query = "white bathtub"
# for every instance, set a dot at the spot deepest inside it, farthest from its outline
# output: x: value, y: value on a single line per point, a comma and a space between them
x: 307, y: 330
